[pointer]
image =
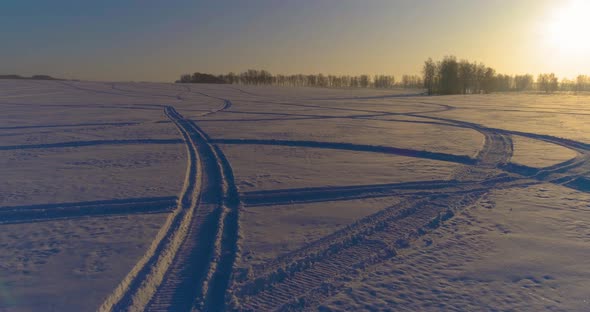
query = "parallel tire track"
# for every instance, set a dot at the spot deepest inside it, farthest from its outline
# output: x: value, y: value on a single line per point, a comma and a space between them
x: 305, y: 277
x: 137, y: 288
x: 37, y: 213
x: 571, y: 173
x: 462, y: 159
x: 196, y: 241
x: 200, y: 273
x: 319, y: 194
x: 183, y: 286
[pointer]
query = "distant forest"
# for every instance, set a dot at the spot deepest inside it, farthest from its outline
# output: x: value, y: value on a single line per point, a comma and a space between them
x: 35, y: 77
x: 263, y: 77
x: 448, y: 76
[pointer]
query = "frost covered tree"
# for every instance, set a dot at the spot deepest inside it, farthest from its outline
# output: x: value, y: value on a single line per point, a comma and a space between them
x: 448, y: 76
x: 582, y: 83
x: 364, y: 81
x: 429, y: 74
x: 523, y: 82
x: 548, y: 83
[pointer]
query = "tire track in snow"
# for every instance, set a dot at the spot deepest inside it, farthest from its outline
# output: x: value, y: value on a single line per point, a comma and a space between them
x: 320, y: 194
x: 305, y: 277
x: 462, y: 159
x: 227, y: 104
x: 118, y: 87
x: 292, y: 282
x: 137, y: 288
x: 90, y: 143
x: 47, y: 212
x: 199, y: 275
x: 185, y: 267
x: 572, y: 173
x: 71, y: 125
x: 179, y: 96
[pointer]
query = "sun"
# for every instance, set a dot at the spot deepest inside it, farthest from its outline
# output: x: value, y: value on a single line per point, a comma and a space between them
x: 567, y: 28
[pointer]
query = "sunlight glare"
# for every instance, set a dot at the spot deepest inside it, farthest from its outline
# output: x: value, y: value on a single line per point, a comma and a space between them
x: 568, y: 28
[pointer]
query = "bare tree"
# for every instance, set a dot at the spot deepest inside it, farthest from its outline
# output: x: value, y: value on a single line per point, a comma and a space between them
x: 429, y: 73
x: 582, y: 83
x: 523, y: 82
x: 448, y: 72
x: 547, y: 82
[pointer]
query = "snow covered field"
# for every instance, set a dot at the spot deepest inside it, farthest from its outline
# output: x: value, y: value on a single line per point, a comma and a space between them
x: 118, y: 196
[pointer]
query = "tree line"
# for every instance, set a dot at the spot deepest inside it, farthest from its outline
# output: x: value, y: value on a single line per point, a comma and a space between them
x: 263, y: 77
x: 447, y: 76
x: 34, y: 77
x: 581, y: 83
x: 450, y: 76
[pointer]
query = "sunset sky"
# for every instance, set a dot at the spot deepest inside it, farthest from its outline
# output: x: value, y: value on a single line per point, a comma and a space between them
x: 159, y: 40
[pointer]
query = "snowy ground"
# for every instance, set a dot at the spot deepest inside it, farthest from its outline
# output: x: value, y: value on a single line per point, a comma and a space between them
x: 520, y: 249
x: 160, y: 196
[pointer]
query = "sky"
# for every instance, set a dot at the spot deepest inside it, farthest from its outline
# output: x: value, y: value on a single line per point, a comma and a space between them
x: 148, y: 40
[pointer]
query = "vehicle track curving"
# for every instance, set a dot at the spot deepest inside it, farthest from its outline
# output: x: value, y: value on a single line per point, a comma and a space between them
x: 305, y: 277
x: 184, y: 268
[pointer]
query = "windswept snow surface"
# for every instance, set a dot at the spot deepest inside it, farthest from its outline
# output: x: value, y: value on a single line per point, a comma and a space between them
x: 539, y: 154
x: 124, y: 196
